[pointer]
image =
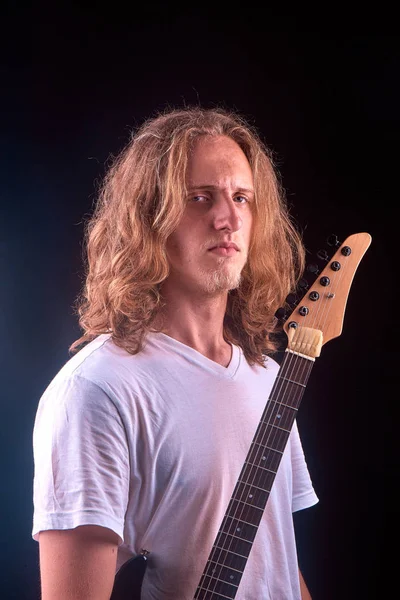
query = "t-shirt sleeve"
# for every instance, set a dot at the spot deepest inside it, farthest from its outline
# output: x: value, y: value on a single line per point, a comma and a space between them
x: 81, y: 462
x: 303, y: 492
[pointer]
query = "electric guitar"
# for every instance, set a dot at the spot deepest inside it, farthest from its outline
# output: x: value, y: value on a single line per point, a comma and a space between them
x: 317, y: 319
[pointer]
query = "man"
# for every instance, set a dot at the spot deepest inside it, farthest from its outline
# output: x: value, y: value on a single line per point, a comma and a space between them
x: 140, y: 438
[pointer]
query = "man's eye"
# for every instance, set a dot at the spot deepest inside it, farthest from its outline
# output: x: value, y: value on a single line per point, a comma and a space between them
x: 241, y: 199
x: 199, y: 198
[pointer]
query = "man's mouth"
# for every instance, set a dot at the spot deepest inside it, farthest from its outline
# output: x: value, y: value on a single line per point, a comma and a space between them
x: 226, y: 245
x: 224, y: 249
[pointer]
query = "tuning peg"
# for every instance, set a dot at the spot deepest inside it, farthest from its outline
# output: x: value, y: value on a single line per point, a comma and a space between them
x: 280, y: 314
x: 303, y: 284
x: 291, y: 299
x: 323, y: 255
x: 332, y: 240
x: 313, y: 268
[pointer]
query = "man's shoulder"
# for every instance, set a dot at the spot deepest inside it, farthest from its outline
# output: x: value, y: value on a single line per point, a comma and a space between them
x: 92, y: 361
x: 104, y: 364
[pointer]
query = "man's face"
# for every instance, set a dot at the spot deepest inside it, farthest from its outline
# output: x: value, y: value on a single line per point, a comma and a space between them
x: 208, y: 250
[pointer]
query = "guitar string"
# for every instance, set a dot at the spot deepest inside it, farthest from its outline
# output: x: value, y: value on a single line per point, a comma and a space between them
x: 292, y: 363
x: 318, y: 316
x: 215, y: 574
x: 292, y: 359
x: 238, y: 515
x: 243, y: 509
x: 223, y: 551
x: 324, y: 306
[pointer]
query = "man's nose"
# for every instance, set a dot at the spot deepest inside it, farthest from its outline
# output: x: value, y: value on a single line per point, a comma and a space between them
x: 225, y: 214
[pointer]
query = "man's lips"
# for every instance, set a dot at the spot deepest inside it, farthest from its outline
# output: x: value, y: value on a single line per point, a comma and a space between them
x: 227, y: 245
x: 224, y: 249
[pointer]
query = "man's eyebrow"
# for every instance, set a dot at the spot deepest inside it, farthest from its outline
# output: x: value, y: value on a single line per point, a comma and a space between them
x: 215, y: 188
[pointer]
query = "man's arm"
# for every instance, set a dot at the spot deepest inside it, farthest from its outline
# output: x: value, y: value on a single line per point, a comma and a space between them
x: 78, y: 564
x: 305, y: 594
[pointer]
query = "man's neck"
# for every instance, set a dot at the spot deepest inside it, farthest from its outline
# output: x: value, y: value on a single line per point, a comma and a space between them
x: 198, y: 323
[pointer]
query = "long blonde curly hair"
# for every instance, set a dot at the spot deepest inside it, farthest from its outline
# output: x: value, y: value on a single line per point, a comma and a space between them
x: 141, y: 201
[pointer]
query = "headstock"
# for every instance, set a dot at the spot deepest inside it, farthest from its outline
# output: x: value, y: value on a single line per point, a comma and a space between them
x: 319, y: 315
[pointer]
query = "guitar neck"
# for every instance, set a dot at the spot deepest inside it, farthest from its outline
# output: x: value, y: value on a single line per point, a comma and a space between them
x: 318, y: 320
x: 231, y: 549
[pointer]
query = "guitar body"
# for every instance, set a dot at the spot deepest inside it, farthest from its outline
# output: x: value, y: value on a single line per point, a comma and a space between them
x: 129, y: 579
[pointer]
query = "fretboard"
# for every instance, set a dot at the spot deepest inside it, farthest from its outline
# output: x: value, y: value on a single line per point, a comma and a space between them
x: 231, y: 549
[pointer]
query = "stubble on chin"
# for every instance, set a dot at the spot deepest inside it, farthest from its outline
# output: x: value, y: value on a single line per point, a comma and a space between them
x: 222, y: 278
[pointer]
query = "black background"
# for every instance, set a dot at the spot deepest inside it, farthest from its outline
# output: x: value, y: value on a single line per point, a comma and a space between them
x: 75, y: 81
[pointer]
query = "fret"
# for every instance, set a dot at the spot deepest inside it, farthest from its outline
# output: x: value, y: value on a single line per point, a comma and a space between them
x: 279, y: 403
x: 277, y: 427
x: 292, y: 381
x: 278, y: 413
x: 260, y: 466
x: 275, y: 407
x: 298, y: 369
x: 247, y: 503
x: 251, y: 485
x: 212, y: 578
x: 240, y: 527
x: 205, y: 595
x: 231, y: 552
x: 292, y: 401
x: 262, y: 478
x: 244, y: 510
x: 261, y: 456
x: 225, y: 574
x: 250, y: 494
x: 233, y: 544
x: 212, y: 589
x: 270, y: 448
x: 277, y: 437
x: 225, y: 557
x: 265, y: 432
x: 292, y: 396
x: 277, y: 418
x: 226, y: 535
x: 214, y: 566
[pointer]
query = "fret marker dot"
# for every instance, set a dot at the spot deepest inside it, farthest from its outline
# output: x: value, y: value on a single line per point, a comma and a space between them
x: 238, y: 529
x: 278, y: 416
x: 264, y: 458
x: 250, y: 495
x: 231, y: 577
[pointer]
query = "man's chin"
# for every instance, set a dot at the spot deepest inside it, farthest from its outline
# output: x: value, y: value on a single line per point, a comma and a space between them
x: 221, y: 281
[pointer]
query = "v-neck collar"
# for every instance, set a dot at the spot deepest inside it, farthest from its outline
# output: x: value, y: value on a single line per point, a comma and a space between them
x: 199, y: 358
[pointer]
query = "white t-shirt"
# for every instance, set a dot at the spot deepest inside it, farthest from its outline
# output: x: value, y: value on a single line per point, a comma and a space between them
x: 151, y: 446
